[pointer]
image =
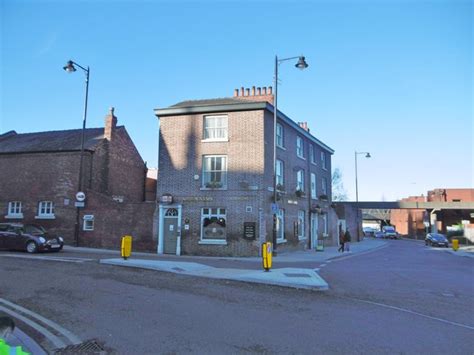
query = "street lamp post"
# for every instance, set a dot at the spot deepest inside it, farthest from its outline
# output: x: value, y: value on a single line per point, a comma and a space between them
x: 70, y: 68
x: 367, y: 155
x: 300, y: 65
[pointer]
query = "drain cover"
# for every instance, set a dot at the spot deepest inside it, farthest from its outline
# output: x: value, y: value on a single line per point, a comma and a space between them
x: 87, y: 347
x: 297, y: 275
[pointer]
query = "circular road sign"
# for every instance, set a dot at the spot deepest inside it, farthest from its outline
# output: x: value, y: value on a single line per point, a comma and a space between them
x: 80, y: 196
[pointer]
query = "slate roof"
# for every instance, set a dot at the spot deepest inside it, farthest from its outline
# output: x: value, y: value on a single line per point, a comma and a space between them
x: 221, y: 101
x: 52, y: 141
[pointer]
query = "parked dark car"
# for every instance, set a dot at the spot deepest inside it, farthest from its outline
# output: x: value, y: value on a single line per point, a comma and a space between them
x: 369, y: 232
x: 436, y: 239
x: 28, y: 237
x: 379, y: 234
x: 390, y: 232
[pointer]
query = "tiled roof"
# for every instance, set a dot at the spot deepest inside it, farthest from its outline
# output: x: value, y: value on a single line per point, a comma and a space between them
x: 52, y: 141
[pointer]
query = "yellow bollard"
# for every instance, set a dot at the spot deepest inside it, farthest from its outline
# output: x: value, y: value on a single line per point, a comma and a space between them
x: 126, y: 246
x: 267, y: 256
x: 455, y: 244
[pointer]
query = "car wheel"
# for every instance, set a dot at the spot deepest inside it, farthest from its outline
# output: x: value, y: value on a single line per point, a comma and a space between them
x: 31, y: 247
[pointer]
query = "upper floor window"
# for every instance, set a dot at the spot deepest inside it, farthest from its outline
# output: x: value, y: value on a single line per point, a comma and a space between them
x: 279, y: 136
x: 300, y: 180
x: 313, y: 186
x: 14, y: 209
x: 214, y: 171
x: 45, y: 210
x: 324, y: 186
x: 323, y: 160
x: 279, y: 174
x: 299, y: 147
x: 215, y: 127
x: 312, y: 155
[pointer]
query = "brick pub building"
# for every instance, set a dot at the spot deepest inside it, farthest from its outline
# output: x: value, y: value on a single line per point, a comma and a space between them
x: 215, y: 178
x: 40, y: 173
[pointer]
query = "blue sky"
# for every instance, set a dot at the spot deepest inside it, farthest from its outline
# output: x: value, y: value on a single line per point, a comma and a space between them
x: 390, y: 77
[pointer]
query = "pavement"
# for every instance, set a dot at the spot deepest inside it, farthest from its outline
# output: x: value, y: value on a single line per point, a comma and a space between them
x: 296, y: 269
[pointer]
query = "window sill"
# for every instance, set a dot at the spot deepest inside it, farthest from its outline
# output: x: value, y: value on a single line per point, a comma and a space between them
x: 213, y: 242
x: 281, y: 147
x: 14, y: 216
x: 301, y: 157
x: 282, y: 241
x: 325, y: 169
x: 215, y: 140
x: 88, y: 230
x: 211, y: 189
x: 46, y: 217
x: 314, y: 163
x: 302, y: 238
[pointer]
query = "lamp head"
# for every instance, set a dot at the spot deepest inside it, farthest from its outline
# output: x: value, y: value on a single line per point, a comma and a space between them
x: 301, y: 63
x: 367, y: 155
x: 69, y: 67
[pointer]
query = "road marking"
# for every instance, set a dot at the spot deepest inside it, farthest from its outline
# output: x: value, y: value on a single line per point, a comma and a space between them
x: 49, y: 258
x: 414, y: 313
x: 58, y: 343
x: 361, y: 253
x: 66, y: 333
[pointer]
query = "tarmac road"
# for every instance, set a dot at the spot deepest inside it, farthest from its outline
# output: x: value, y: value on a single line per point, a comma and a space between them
x: 404, y: 298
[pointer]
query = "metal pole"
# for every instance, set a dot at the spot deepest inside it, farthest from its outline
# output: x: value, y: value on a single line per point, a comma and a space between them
x: 357, y: 197
x: 275, y: 110
x: 81, y: 182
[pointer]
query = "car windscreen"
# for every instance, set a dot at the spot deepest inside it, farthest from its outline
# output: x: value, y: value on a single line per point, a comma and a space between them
x: 30, y: 229
x: 439, y: 236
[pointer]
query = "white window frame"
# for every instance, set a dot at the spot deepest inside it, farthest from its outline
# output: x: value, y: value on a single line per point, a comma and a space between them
x: 299, y: 147
x: 323, y: 161
x: 325, y: 225
x: 219, y: 131
x: 324, y: 186
x: 280, y: 227
x: 280, y: 171
x: 312, y: 154
x: 15, y: 210
x: 280, y: 138
x: 314, y: 192
x: 207, y: 180
x: 209, y: 214
x: 88, y: 223
x: 300, y: 180
x: 301, y: 226
x: 45, y: 210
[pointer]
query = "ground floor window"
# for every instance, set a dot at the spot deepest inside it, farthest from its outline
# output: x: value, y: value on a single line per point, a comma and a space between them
x: 213, y: 224
x: 46, y: 210
x: 301, y: 234
x: 14, y: 209
x: 325, y: 225
x: 280, y: 224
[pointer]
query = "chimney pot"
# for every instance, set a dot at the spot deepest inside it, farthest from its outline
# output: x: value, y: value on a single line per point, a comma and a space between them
x: 242, y: 91
x: 264, y: 90
x: 247, y: 92
x: 253, y: 90
x: 270, y: 90
x: 236, y: 92
x: 259, y: 91
x: 110, y: 124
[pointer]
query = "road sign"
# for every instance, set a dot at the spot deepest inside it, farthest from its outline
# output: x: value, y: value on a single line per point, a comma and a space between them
x: 79, y: 204
x: 80, y: 196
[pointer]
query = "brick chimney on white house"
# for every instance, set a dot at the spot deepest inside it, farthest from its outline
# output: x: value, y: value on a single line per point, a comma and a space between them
x: 110, y: 125
x: 255, y: 94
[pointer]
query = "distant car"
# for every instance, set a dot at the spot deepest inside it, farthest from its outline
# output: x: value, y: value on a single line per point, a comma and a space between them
x: 379, y: 234
x: 389, y: 232
x: 436, y: 239
x: 28, y: 237
x: 368, y: 231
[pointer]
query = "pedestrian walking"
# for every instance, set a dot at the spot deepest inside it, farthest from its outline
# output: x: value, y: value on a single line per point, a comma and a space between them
x: 7, y: 326
x: 341, y: 241
x: 347, y: 240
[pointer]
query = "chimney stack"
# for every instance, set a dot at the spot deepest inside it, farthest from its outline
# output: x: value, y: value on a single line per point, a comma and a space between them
x: 255, y: 94
x: 304, y: 125
x: 110, y: 125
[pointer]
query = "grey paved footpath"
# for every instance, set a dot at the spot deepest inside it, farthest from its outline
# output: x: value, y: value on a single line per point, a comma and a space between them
x: 283, y: 273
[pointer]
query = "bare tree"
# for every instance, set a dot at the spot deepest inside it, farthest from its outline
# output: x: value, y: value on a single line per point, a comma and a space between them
x: 339, y: 193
